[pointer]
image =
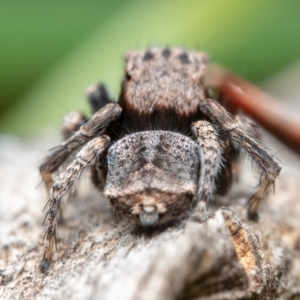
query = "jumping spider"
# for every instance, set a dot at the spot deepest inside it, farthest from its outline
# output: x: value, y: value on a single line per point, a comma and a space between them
x: 162, y: 151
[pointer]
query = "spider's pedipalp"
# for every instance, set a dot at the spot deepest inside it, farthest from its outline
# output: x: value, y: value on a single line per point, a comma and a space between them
x: 269, y: 167
x: 211, y: 160
x: 67, y: 179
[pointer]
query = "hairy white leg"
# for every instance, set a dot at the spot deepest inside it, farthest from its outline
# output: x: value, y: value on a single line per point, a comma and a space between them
x: 211, y: 161
x: 93, y: 128
x: 269, y: 167
x: 66, y: 181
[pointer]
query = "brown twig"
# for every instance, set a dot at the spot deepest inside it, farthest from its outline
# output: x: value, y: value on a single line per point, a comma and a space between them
x: 257, y: 104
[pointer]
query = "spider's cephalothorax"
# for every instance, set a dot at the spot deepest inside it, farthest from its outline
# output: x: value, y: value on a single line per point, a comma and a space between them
x: 162, y: 150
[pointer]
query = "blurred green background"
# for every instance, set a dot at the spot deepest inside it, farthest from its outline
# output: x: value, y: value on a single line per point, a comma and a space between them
x: 50, y: 51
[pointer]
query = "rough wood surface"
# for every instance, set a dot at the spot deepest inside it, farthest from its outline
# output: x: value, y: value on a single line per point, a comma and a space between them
x: 101, y: 257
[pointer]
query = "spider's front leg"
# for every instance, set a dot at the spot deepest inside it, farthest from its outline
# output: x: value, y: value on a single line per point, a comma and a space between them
x: 211, y: 161
x: 86, y: 157
x: 98, y: 97
x: 71, y: 123
x: 269, y: 167
x: 94, y: 127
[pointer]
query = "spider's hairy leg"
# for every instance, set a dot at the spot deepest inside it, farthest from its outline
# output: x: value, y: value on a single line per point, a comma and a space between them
x: 231, y: 155
x: 86, y: 157
x: 269, y: 167
x: 229, y: 170
x: 248, y: 126
x: 71, y: 123
x: 98, y: 96
x: 211, y: 160
x: 96, y: 126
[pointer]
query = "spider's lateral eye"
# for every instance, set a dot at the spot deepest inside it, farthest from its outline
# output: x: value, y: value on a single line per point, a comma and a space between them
x: 128, y: 76
x: 184, y: 58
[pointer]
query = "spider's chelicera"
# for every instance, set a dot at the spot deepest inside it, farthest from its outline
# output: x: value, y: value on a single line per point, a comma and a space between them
x: 160, y: 152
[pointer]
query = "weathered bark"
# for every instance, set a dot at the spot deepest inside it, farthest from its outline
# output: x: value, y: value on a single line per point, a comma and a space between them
x: 101, y: 257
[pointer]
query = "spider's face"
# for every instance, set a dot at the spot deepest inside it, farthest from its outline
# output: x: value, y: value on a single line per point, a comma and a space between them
x: 152, y: 176
x: 153, y: 207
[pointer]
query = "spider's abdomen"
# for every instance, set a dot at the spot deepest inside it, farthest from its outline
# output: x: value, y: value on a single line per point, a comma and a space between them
x: 152, y: 175
x: 162, y: 81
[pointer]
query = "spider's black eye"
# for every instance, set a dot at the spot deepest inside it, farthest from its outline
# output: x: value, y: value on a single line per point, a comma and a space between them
x: 128, y: 76
x: 148, y: 55
x: 184, y: 58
